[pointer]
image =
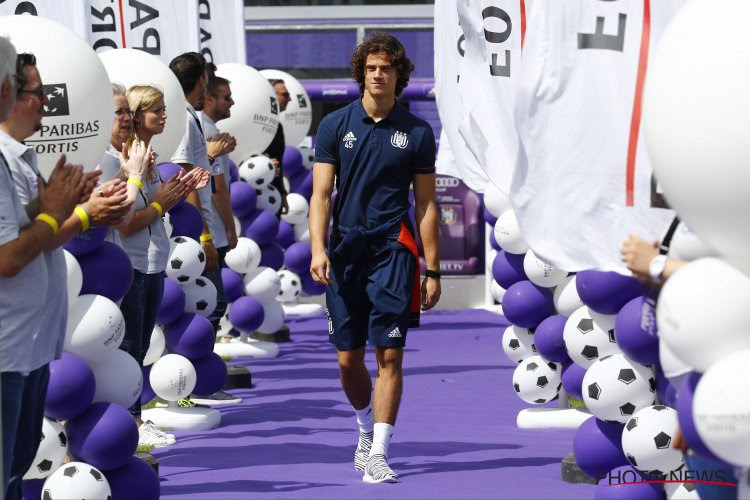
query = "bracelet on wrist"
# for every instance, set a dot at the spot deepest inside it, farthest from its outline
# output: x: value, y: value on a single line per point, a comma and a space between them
x: 432, y: 274
x: 83, y: 216
x: 206, y: 237
x: 158, y: 207
x: 49, y: 220
x: 136, y: 181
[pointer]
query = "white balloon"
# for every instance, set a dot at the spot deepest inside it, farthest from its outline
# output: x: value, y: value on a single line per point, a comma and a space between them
x: 167, y: 218
x: 541, y: 273
x: 287, y: 186
x: 702, y: 312
x: 269, y: 198
x: 537, y: 380
x: 52, y: 450
x: 302, y: 232
x: 589, y: 336
x: 255, y: 114
x: 566, y: 297
x: 135, y: 67
x: 119, y: 378
x: 155, y: 347
x: 297, y: 117
x: 614, y: 388
x: 75, y: 276
x: 186, y: 259
x: 273, y: 318
x: 262, y: 284
x: 95, y: 327
x: 516, y: 350
x: 489, y: 259
x: 686, y: 245
x: 77, y: 480
x: 298, y: 209
x: 682, y: 491
x: 237, y: 225
x: 707, y: 137
x: 508, y: 233
x: 245, y: 257
x: 172, y: 377
x: 291, y: 286
x: 721, y: 407
x: 648, y: 437
x: 497, y: 292
x: 308, y: 156
x: 495, y: 200
x: 78, y: 119
x: 257, y: 170
x: 200, y: 296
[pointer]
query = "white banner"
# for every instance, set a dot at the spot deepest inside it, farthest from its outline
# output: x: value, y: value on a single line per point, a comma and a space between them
x: 491, y: 64
x: 448, y: 52
x: 163, y: 28
x: 69, y: 13
x: 222, y: 31
x: 583, y: 180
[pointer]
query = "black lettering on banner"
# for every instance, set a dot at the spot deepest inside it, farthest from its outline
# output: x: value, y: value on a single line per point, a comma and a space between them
x: 205, y: 35
x: 105, y: 42
x: 205, y: 15
x: 152, y: 14
x: 26, y: 8
x: 600, y: 40
x: 497, y: 69
x: 151, y: 34
x: 106, y: 12
x: 207, y: 54
x: 460, y: 45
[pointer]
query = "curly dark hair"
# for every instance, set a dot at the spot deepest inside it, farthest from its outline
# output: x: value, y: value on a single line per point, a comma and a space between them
x: 376, y: 42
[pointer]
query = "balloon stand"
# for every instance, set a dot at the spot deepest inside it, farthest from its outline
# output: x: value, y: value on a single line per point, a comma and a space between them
x: 245, y: 346
x: 561, y: 417
x: 174, y: 417
x: 293, y: 310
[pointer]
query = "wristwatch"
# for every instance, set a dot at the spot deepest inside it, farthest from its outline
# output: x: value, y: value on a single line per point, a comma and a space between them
x: 432, y: 274
x: 656, y: 267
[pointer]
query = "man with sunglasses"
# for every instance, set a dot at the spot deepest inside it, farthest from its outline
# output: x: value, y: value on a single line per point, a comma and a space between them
x: 275, y: 150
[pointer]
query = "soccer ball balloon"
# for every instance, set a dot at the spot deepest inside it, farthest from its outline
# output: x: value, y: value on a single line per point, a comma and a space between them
x: 614, y: 388
x: 258, y: 171
x: 186, y: 259
x: 200, y: 296
x: 51, y: 452
x: 269, y: 198
x: 566, y: 297
x: 589, y: 336
x: 76, y: 480
x: 291, y: 286
x: 308, y: 156
x: 647, y: 440
x: 515, y: 349
x: 537, y: 380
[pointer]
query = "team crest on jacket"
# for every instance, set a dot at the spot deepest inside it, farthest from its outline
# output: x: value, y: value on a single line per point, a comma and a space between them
x: 399, y: 140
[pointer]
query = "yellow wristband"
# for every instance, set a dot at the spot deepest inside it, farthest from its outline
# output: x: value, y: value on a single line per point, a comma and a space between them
x: 84, y: 216
x: 48, y: 219
x: 206, y: 237
x: 136, y: 181
x: 158, y: 208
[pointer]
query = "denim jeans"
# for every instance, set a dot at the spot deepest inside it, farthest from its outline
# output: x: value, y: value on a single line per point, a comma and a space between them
x: 23, y: 412
x: 139, y: 308
x: 221, y: 296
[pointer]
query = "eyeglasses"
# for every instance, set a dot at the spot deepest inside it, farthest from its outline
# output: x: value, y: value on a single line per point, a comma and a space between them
x: 119, y: 112
x: 39, y: 92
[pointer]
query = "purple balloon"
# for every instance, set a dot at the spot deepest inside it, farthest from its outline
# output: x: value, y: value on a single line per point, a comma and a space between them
x: 606, y: 292
x: 246, y: 314
x: 233, y: 285
x: 172, y: 302
x: 234, y: 173
x: 191, y: 335
x: 310, y: 286
x: 548, y: 339
x: 134, y: 479
x: 685, y: 416
x: 634, y: 341
x: 285, y: 234
x: 597, y: 446
x: 243, y: 198
x: 489, y: 218
x: 86, y: 241
x: 296, y: 180
x: 32, y: 489
x: 261, y: 227
x: 493, y: 242
x: 526, y: 305
x: 147, y: 392
x: 292, y: 161
x: 572, y: 379
x: 664, y: 389
x: 186, y: 220
x: 306, y: 186
x: 106, y: 271
x: 104, y: 435
x: 211, y: 373
x: 297, y: 257
x: 507, y: 269
x: 167, y: 170
x: 625, y: 483
x: 71, y: 387
x: 272, y: 255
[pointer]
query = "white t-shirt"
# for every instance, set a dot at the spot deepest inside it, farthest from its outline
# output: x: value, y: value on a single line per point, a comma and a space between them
x: 220, y: 167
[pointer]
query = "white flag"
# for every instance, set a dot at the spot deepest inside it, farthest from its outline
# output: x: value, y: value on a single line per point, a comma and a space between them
x: 493, y: 34
x: 583, y: 181
x: 70, y: 13
x: 448, y: 52
x: 163, y: 28
x: 222, y: 31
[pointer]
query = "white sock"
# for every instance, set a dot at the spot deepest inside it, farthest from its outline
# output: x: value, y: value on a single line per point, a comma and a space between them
x: 364, y: 418
x: 381, y: 439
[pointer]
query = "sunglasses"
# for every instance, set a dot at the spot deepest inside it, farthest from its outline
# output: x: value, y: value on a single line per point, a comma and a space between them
x: 39, y: 92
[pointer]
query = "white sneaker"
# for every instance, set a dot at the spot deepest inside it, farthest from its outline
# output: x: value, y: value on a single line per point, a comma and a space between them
x: 158, y: 431
x: 378, y: 470
x: 151, y: 436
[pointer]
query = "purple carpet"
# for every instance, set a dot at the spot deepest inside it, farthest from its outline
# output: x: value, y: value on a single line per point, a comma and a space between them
x: 294, y: 434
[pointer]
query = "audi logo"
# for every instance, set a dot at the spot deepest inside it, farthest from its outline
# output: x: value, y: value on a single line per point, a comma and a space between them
x: 447, y: 182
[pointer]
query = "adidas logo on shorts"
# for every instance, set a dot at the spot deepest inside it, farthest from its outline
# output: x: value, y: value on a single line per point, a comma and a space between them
x: 395, y: 333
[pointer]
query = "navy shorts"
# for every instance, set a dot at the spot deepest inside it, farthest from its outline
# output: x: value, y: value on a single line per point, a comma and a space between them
x: 375, y: 305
